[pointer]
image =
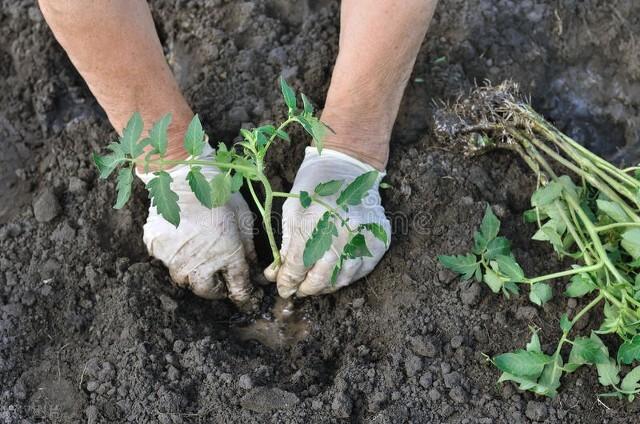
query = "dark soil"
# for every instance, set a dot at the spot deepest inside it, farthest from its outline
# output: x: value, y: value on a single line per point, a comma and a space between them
x: 91, y: 329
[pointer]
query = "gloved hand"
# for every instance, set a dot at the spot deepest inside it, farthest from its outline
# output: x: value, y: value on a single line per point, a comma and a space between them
x: 298, y: 223
x: 208, y: 252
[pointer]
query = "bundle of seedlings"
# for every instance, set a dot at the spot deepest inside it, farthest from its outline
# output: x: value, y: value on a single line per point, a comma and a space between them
x: 243, y: 164
x: 588, y: 210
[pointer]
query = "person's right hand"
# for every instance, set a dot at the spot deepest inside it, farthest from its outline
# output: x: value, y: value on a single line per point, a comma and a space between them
x: 209, y: 250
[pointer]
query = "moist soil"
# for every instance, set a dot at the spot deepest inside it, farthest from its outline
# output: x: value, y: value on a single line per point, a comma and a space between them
x: 91, y: 329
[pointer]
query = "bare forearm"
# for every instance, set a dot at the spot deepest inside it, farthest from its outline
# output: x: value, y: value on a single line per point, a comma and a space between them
x: 115, y: 47
x: 379, y: 42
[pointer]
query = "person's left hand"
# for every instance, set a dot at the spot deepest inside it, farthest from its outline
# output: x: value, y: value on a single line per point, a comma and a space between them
x: 292, y: 276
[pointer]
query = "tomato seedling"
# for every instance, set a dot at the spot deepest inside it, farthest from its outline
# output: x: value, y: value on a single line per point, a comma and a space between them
x: 591, y: 216
x: 243, y: 163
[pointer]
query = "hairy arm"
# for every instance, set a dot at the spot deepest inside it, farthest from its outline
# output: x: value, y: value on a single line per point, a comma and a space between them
x: 379, y: 42
x: 115, y: 47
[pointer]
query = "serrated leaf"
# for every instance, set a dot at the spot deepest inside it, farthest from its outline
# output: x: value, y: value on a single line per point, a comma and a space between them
x: 547, y: 194
x: 305, y: 199
x: 353, y: 194
x: 629, y: 351
x: 509, y: 267
x: 579, y: 285
x: 125, y: 179
x: 281, y: 134
x: 540, y: 293
x: 220, y: 189
x: 131, y: 135
x: 288, y: 94
x: 377, y: 230
x: 608, y: 373
x: 490, y: 225
x: 163, y: 198
x: 522, y: 363
x: 320, y: 240
x: 587, y: 351
x: 496, y: 247
x: 356, y: 248
x: 612, y: 210
x: 534, y: 343
x: 565, y: 323
x: 194, y: 137
x: 465, y: 265
x: 328, y: 188
x: 549, y: 380
x: 631, y: 242
x: 200, y: 186
x: 631, y: 380
x: 158, y: 135
x: 307, y: 105
x: 106, y: 164
x: 336, y: 270
x: 479, y: 243
x: 493, y: 280
x: 315, y: 128
x: 236, y: 182
x: 223, y: 155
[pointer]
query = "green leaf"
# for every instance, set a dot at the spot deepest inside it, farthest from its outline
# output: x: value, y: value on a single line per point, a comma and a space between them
x: 194, y: 137
x: 549, y: 381
x: 305, y: 199
x: 522, y: 363
x: 158, y: 135
x: 534, y: 344
x: 377, y: 230
x: 315, y: 128
x: 629, y: 351
x: 565, y: 323
x: 465, y: 265
x: 320, y: 240
x: 223, y: 155
x: 288, y: 94
x: 236, y: 182
x: 163, y: 198
x: 200, y: 186
x: 547, y: 194
x: 608, y: 373
x: 131, y: 135
x: 479, y: 243
x: 220, y: 189
x: 540, y: 293
x: 125, y: 179
x: 586, y: 350
x: 631, y: 380
x: 107, y: 164
x: 336, y: 270
x: 499, y: 246
x: 509, y: 267
x: 281, y: 134
x: 631, y: 242
x: 353, y: 194
x: 307, y: 105
x: 493, y: 280
x: 612, y: 210
x: 328, y: 188
x: 579, y: 285
x: 490, y: 225
x: 356, y: 248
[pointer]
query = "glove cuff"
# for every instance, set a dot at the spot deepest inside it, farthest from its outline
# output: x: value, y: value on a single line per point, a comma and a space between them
x: 207, y: 152
x: 311, y: 155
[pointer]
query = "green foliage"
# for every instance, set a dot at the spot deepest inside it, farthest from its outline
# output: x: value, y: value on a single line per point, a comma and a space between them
x: 163, y: 198
x: 244, y: 162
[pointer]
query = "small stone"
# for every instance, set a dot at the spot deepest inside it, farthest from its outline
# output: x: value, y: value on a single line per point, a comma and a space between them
x: 452, y: 379
x: 458, y: 394
x: 226, y: 377
x: 424, y: 346
x: 245, y: 382
x: 412, y: 365
x: 178, y: 346
x: 358, y: 303
x: 536, y: 411
x: 172, y: 373
x: 277, y: 56
x: 167, y: 303
x: 434, y: 395
x: 92, y: 414
x: 426, y: 380
x: 316, y: 404
x: 526, y: 313
x: 19, y: 391
x: 470, y: 294
x: 92, y: 386
x: 456, y: 341
x: 238, y: 114
x: 46, y: 206
x: 77, y: 186
x: 342, y: 405
x: 266, y: 399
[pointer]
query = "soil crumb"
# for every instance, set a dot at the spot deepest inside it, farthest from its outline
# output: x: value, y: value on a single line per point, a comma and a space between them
x: 282, y: 327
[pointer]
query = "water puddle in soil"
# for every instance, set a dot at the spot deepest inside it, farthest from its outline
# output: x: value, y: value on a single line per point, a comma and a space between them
x: 282, y: 327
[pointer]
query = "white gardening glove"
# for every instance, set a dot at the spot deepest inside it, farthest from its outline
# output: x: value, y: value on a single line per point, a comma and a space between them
x: 298, y: 223
x: 208, y: 252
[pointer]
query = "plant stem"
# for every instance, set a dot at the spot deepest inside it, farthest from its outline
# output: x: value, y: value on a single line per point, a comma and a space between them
x: 616, y: 225
x: 255, y: 198
x: 566, y: 273
x: 268, y: 203
x: 322, y: 203
x: 163, y: 162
